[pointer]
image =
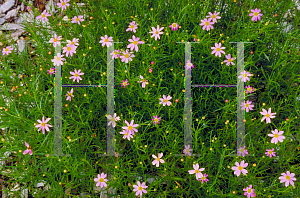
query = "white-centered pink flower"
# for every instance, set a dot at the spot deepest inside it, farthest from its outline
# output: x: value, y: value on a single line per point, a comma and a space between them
x: 267, y: 115
x: 44, y: 16
x: 277, y: 136
x: 240, y: 168
x: 131, y: 127
x: 244, y: 76
x: 255, y: 14
x: 139, y: 189
x: 197, y: 171
x: 207, y: 24
x: 76, y: 19
x: 101, y: 181
x: 77, y: 75
x: 217, y: 49
x: 156, y: 32
x: 165, y: 100
x: 158, y: 159
x: 106, y: 40
x: 143, y: 81
x: 69, y: 94
x: 55, y: 40
x: 63, y: 4
x: 287, y: 178
x: 214, y: 16
x: 134, y: 43
x: 113, y: 120
x: 58, y: 60
x: 242, y: 151
x: 7, y: 50
x: 28, y: 150
x: 229, y: 60
x: 247, y: 105
x: 43, y: 125
x: 132, y: 27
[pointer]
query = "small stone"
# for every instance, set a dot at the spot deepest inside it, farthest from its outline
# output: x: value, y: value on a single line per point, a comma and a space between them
x: 10, y: 26
x: 22, y: 7
x: 7, y: 5
x: 2, y: 20
x: 12, y: 13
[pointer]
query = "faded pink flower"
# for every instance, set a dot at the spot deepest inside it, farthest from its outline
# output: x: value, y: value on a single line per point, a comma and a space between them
x: 139, y: 188
x: 55, y: 40
x: 44, y: 16
x: 143, y: 81
x: 131, y: 127
x: 101, y: 181
x: 187, y: 150
x: 229, y: 60
x: 127, y: 56
x: 245, y: 76
x: 287, y: 178
x: 113, y: 120
x: 134, y: 44
x: 69, y: 94
x: 126, y: 134
x: 165, y: 101
x: 247, y: 105
x: 106, y: 41
x: 189, y: 65
x: 240, y: 168
x: 217, y: 49
x: 207, y: 24
x: 255, y: 14
x: 214, y: 17
x: 58, y: 60
x: 70, y: 49
x: 77, y: 75
x: 7, y: 50
x: 28, y: 150
x: 132, y: 27
x: 276, y: 136
x: 267, y: 115
x: 203, y: 178
x: 115, y: 54
x: 249, y: 192
x: 156, y: 32
x: 76, y: 19
x: 63, y: 4
x: 270, y: 153
x: 242, y: 151
x: 43, y: 125
x: 158, y: 159
x: 197, y: 171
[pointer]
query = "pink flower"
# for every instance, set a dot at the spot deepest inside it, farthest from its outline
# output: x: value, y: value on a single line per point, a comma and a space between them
x: 240, y: 168
x: 132, y: 27
x: 203, y: 178
x: 70, y: 49
x: 287, y: 178
x: 270, y: 153
x: 165, y: 101
x: 176, y: 100
x: 116, y: 154
x: 113, y: 119
x: 229, y: 60
x: 249, y: 89
x: 242, y: 151
x: 255, y: 14
x: 158, y: 159
x: 218, y: 49
x: 127, y: 56
x: 28, y: 150
x: 195, y: 40
x: 63, y: 4
x: 197, y: 171
x: 174, y: 26
x: 58, y: 60
x: 139, y: 188
x: 152, y: 63
x: 115, y: 54
x: 69, y: 94
x: 106, y: 41
x: 143, y: 81
x: 7, y: 50
x: 73, y: 42
x: 124, y: 83
x: 131, y: 127
x: 29, y: 9
x: 249, y: 192
x: 44, y: 16
x: 150, y: 70
x: 247, y: 105
x: 76, y: 19
x: 267, y: 115
x: 134, y: 44
x: 126, y: 134
x: 189, y: 65
x: 156, y: 120
x: 187, y: 150
x: 156, y: 32
x: 77, y: 75
x: 276, y: 136
x: 207, y: 24
x: 100, y: 180
x: 244, y: 76
x: 51, y: 71
x: 43, y: 125
x: 55, y: 40
x: 214, y: 17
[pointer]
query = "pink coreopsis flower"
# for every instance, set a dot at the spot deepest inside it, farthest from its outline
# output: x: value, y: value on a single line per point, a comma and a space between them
x: 7, y: 50
x: 73, y: 42
x: 276, y: 136
x: 69, y: 94
x: 203, y: 178
x: 249, y: 89
x: 70, y: 49
x: 101, y: 181
x: 116, y: 154
x: 240, y: 168
x: 270, y: 153
x: 245, y: 76
x: 287, y: 178
x: 28, y: 150
x: 106, y: 41
x: 189, y: 65
x: 134, y: 44
x: 139, y: 188
x: 127, y: 56
x: 29, y: 9
x: 126, y: 134
x: 174, y: 26
x: 187, y: 150
x: 131, y: 127
x: 77, y: 75
x: 132, y: 27
x: 115, y: 54
x: 44, y: 16
x: 124, y: 83
x: 143, y: 81
x: 247, y: 105
x: 214, y: 16
x: 55, y: 40
x: 207, y: 24
x: 43, y: 125
x: 229, y: 60
x: 267, y: 115
x: 197, y: 171
x: 158, y: 159
x: 255, y: 14
x: 51, y: 71
x: 249, y: 192
x: 58, y: 60
x: 113, y: 119
x: 242, y: 151
x: 150, y: 70
x: 165, y: 101
x: 63, y: 4
x: 76, y: 19
x: 156, y: 120
x: 217, y: 49
x: 156, y: 32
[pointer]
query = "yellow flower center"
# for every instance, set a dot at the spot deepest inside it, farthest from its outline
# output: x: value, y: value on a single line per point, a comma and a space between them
x: 240, y: 167
x: 165, y: 100
x: 124, y: 83
x: 140, y: 188
x: 126, y: 56
x: 77, y: 19
x: 29, y: 147
x: 132, y: 26
x: 218, y: 49
x: 156, y: 120
x: 242, y: 150
x: 157, y: 159
x: 174, y: 25
x: 6, y: 49
x: 43, y: 15
x: 115, y: 52
x: 51, y: 70
x: 135, y: 42
x: 101, y: 180
x: 267, y: 115
x: 55, y: 39
x: 190, y: 64
x: 143, y: 80
x: 43, y: 124
x: 206, y: 23
x: 76, y: 75
x: 156, y: 32
x: 72, y: 43
x: 187, y: 150
x: 196, y: 171
x: 69, y: 48
x: 249, y: 190
x: 213, y: 16
x: 70, y: 94
x: 203, y: 178
x: 276, y: 135
x: 57, y: 58
x: 229, y: 60
x: 126, y: 133
x: 113, y: 119
x: 249, y: 89
x: 130, y: 128
x: 63, y: 3
x: 247, y: 105
x: 106, y: 40
x: 288, y: 177
x: 270, y: 152
x: 245, y: 75
x: 255, y: 14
